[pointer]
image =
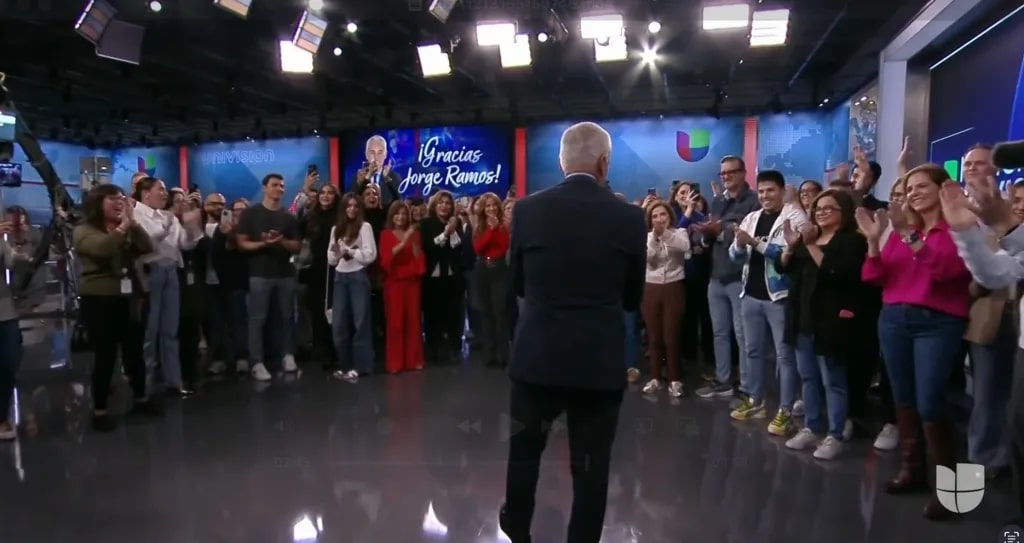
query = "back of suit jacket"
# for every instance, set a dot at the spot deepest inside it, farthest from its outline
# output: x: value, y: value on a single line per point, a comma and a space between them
x: 577, y: 257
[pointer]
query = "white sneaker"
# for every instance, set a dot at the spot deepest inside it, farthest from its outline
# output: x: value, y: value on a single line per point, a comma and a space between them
x: 8, y: 432
x: 848, y: 430
x: 675, y: 389
x: 830, y: 448
x: 652, y: 387
x: 217, y: 368
x: 289, y: 364
x: 798, y: 408
x: 888, y: 438
x: 803, y: 439
x: 260, y: 373
x: 242, y: 366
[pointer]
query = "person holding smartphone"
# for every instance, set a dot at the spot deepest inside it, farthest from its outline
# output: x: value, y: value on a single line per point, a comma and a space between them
x: 377, y: 171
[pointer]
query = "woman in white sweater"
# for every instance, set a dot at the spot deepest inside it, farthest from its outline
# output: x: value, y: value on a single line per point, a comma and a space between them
x: 662, y: 308
x: 351, y: 250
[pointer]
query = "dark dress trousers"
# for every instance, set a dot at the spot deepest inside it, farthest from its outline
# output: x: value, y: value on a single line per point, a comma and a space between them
x: 577, y: 260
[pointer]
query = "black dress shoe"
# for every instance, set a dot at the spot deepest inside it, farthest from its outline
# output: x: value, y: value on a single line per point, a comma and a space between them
x: 182, y: 392
x: 515, y: 535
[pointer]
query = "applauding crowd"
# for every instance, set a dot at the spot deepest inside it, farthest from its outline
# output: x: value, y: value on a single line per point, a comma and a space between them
x: 851, y: 296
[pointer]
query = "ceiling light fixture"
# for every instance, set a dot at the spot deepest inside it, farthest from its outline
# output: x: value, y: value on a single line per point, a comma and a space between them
x: 610, y: 49
x: 649, y: 56
x: 542, y: 37
x: 601, y: 26
x: 654, y: 27
x: 155, y: 6
x: 725, y: 17
x: 295, y: 60
x: 238, y: 7
x: 769, y: 28
x: 337, y: 51
x: 316, y: 5
x: 352, y: 28
x: 516, y: 54
x: 433, y: 61
x: 495, y: 33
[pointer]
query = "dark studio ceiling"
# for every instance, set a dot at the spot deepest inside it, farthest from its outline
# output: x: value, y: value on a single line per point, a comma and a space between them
x: 206, y: 74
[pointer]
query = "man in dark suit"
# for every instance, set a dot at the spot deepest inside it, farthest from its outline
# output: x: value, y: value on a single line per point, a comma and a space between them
x: 578, y: 260
x: 377, y: 171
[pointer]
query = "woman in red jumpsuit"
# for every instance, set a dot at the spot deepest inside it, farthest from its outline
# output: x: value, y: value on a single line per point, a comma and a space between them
x: 401, y: 258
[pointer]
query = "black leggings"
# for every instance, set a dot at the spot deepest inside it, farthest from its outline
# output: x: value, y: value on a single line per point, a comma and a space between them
x: 443, y: 313
x: 113, y: 323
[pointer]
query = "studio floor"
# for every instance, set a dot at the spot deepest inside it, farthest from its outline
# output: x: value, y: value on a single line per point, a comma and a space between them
x: 421, y: 458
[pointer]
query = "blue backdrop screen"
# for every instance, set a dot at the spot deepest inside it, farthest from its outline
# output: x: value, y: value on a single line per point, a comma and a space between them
x: 236, y: 169
x: 465, y: 160
x: 962, y: 114
x: 645, y: 152
x: 159, y: 162
x: 803, y: 145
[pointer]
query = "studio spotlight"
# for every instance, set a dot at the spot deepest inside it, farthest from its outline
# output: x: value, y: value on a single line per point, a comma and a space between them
x: 94, y: 20
x: 238, y: 7
x: 654, y: 27
x: 295, y: 60
x: 433, y: 60
x: 649, y: 56
x: 310, y: 32
x: 337, y: 51
x: 155, y: 6
x: 352, y: 28
x: 542, y: 37
x: 316, y: 5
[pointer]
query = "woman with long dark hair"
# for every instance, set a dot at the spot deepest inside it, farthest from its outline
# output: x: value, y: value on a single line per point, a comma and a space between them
x: 321, y: 216
x: 233, y: 273
x: 926, y: 302
x: 108, y: 244
x: 491, y: 242
x: 350, y: 252
x: 170, y: 237
x: 443, y: 314
x: 191, y: 277
x: 401, y: 258
x: 824, y: 309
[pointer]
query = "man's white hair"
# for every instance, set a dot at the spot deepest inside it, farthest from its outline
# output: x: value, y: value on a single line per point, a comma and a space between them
x: 376, y: 139
x: 582, y: 145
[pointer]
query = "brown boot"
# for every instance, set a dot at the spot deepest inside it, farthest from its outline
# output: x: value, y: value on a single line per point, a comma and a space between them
x: 911, y: 477
x: 939, y: 436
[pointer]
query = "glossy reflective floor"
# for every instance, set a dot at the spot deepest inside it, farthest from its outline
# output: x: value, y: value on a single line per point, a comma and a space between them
x: 420, y: 458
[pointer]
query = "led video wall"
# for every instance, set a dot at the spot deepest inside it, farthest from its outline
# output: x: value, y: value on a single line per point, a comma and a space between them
x: 465, y: 160
x: 977, y: 96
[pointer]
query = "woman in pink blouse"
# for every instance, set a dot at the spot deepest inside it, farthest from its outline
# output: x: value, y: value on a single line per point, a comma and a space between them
x: 912, y: 257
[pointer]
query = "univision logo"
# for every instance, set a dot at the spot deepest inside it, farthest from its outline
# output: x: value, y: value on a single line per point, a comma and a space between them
x: 147, y: 165
x: 694, y: 145
x: 960, y: 492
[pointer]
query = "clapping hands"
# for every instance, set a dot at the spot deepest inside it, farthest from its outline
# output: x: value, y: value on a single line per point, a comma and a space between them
x: 743, y: 238
x: 873, y: 225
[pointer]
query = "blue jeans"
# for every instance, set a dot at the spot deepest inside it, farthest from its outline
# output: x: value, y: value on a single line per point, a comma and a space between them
x: 632, y: 324
x: 10, y: 362
x: 352, y: 321
x: 163, y: 317
x: 992, y: 376
x: 726, y: 321
x: 263, y: 292
x: 824, y: 379
x: 920, y: 347
x: 759, y: 318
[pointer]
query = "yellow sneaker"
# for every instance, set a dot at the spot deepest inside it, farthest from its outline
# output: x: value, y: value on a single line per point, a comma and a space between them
x: 782, y: 424
x: 749, y: 410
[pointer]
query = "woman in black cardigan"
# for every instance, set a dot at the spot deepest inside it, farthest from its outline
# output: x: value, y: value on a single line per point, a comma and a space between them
x: 441, y: 231
x: 824, y: 314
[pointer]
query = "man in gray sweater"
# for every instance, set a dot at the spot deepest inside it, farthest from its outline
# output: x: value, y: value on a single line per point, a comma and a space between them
x: 727, y: 210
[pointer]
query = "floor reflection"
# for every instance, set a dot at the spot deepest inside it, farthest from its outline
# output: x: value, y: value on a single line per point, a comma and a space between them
x: 420, y: 458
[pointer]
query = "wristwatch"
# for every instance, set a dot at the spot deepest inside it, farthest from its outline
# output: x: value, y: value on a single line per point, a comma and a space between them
x: 911, y: 238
